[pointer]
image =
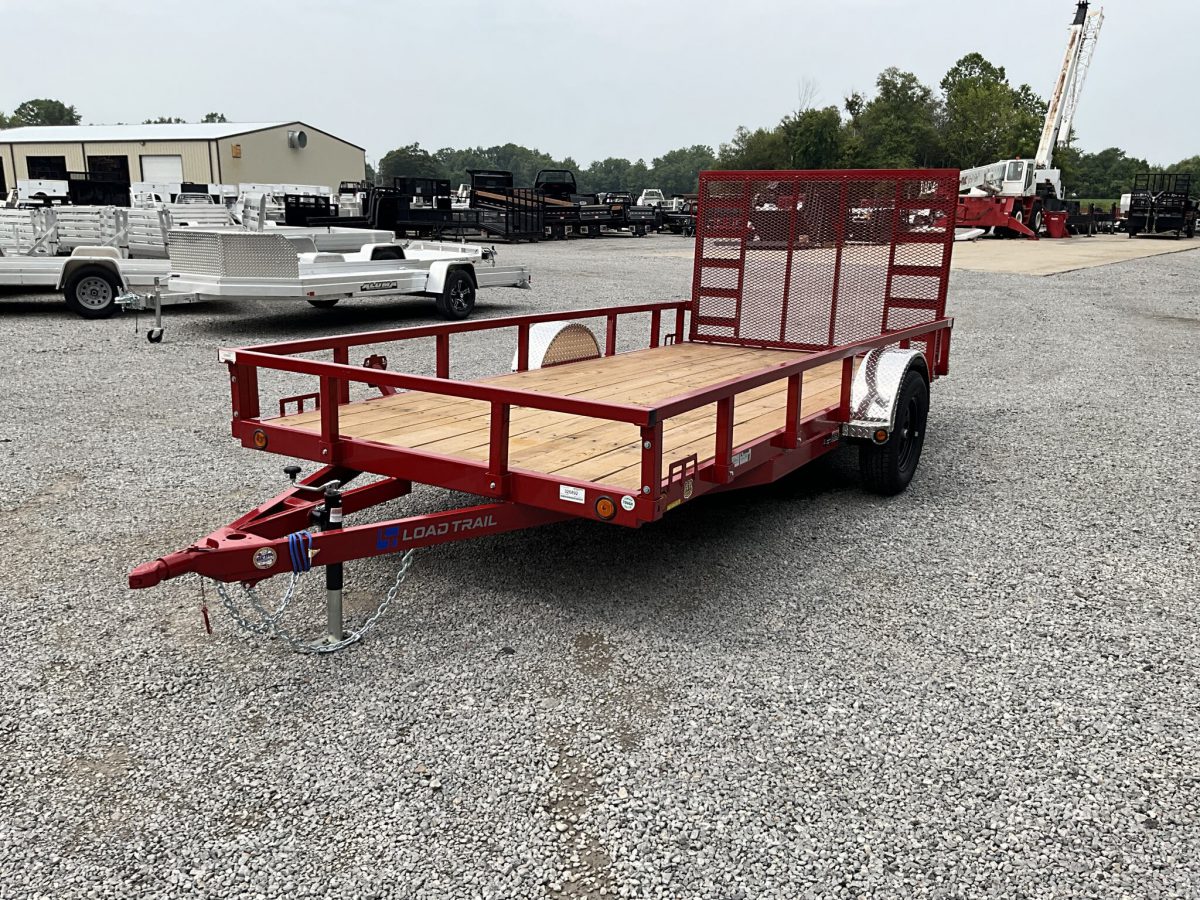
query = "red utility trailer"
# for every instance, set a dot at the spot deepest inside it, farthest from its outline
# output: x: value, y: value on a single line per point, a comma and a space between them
x: 816, y: 317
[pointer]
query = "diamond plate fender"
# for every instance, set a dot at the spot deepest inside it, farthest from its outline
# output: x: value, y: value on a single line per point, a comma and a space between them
x: 875, y: 389
x: 553, y: 343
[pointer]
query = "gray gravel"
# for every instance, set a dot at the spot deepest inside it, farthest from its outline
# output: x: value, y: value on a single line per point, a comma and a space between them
x: 986, y: 687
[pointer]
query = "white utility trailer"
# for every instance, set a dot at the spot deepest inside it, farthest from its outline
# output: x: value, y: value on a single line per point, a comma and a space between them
x: 266, y: 265
x: 92, y: 278
x: 219, y: 264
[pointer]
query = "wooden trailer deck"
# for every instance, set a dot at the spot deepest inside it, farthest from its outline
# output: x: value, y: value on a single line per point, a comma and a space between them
x: 583, y: 448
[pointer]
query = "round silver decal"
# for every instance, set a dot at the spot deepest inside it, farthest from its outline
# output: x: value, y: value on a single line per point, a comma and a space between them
x: 265, y: 557
x: 628, y: 503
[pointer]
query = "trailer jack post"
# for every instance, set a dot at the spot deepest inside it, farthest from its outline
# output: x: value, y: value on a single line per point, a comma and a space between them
x: 334, y: 572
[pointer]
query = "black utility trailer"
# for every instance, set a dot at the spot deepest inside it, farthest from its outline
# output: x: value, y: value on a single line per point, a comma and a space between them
x: 1162, y: 203
x: 505, y: 211
x: 567, y: 211
x: 423, y: 208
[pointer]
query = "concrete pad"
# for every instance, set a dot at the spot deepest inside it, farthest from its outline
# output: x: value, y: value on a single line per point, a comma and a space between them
x: 1052, y: 257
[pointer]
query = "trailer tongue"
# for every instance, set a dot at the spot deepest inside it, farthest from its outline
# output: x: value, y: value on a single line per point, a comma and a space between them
x: 816, y: 317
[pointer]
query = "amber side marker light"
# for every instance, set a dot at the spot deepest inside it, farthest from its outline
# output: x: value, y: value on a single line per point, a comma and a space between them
x: 260, y: 439
x: 881, y: 436
x: 605, y: 508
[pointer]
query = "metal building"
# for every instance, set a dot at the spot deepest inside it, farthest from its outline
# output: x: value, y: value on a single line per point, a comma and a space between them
x: 225, y: 153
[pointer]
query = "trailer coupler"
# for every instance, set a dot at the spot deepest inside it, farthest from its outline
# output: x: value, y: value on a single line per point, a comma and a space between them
x: 275, y: 539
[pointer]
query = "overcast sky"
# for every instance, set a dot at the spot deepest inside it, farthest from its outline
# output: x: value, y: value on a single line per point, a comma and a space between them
x: 591, y: 78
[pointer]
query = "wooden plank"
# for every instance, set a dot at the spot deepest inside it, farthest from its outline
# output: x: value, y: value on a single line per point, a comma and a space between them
x: 565, y: 380
x: 695, y: 432
x: 581, y: 447
x: 640, y: 385
x: 553, y: 452
x: 646, y: 390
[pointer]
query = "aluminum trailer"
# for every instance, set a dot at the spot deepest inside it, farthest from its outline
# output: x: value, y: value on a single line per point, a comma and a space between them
x: 796, y: 339
x: 94, y: 278
x: 211, y: 265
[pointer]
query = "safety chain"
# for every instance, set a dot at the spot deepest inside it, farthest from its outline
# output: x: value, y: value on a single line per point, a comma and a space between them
x: 268, y: 619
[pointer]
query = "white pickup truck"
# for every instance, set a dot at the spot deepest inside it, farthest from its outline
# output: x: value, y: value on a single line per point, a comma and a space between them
x: 651, y: 197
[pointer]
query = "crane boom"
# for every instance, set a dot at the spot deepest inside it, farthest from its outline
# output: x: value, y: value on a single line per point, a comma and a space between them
x: 1081, y: 43
x: 1087, y: 46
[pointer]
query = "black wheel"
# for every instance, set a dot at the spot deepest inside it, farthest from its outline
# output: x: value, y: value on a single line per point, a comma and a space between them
x: 92, y: 292
x: 1191, y: 229
x: 328, y: 303
x: 1036, y: 219
x: 154, y: 335
x: 888, y: 468
x: 458, y: 296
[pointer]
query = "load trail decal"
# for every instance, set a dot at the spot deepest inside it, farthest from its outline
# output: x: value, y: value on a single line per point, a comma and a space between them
x: 391, y: 537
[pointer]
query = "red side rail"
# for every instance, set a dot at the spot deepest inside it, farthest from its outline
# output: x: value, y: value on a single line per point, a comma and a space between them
x: 495, y: 477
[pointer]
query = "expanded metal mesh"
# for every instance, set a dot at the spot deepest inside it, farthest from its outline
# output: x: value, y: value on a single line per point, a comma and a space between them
x: 811, y: 260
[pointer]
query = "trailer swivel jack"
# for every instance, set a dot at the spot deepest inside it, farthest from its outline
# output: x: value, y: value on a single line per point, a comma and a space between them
x: 326, y: 518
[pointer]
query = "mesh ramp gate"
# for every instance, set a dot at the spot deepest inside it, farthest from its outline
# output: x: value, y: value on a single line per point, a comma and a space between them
x: 819, y: 259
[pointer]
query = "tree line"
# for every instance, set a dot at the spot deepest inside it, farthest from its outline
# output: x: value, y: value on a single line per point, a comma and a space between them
x: 975, y: 116
x: 55, y: 112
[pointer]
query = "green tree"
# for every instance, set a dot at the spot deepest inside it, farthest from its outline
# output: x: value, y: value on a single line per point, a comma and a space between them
x: 615, y: 174
x: 762, y: 148
x: 1107, y: 174
x: 814, y: 138
x: 1191, y: 164
x: 985, y: 118
x: 214, y: 117
x: 409, y: 162
x: 44, y: 112
x: 165, y: 120
x: 678, y: 171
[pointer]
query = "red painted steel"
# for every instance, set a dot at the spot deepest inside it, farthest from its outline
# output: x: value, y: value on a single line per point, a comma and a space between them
x: 995, y: 212
x: 813, y: 260
x: 228, y: 553
x: 803, y: 260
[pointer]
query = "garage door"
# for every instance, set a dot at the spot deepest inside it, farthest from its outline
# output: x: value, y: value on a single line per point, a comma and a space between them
x: 162, y: 169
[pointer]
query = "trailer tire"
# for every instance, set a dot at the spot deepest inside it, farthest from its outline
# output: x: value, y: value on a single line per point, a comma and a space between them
x: 327, y: 303
x: 887, y: 469
x: 91, y: 292
x: 457, y: 299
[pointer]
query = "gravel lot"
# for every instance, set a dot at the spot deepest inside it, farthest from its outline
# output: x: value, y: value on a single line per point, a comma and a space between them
x: 986, y: 687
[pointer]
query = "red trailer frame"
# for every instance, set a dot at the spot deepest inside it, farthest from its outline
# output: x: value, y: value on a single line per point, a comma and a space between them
x: 828, y: 265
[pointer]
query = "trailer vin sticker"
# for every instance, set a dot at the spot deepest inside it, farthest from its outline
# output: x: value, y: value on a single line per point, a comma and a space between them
x: 740, y: 459
x: 572, y: 494
x: 377, y: 286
